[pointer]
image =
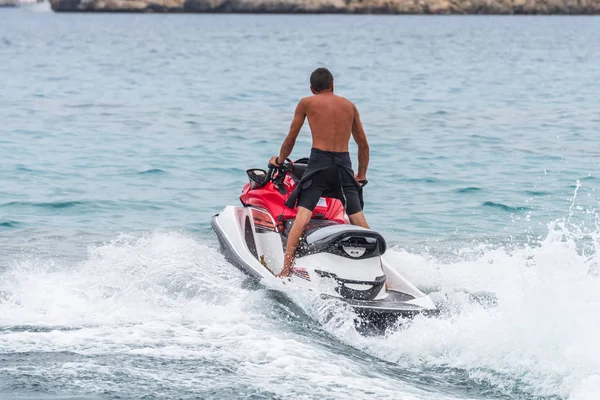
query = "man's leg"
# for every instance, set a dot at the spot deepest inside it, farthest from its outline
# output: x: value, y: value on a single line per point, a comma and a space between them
x: 354, y: 207
x: 358, y: 219
x: 302, y: 219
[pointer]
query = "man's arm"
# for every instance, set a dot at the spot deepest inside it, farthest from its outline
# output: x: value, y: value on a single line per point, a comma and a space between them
x: 290, y: 140
x: 358, y: 133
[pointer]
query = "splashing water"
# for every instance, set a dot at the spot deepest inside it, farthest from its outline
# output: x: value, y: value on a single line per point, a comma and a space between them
x: 516, y: 321
x: 577, y: 186
x: 538, y: 336
x: 165, y: 314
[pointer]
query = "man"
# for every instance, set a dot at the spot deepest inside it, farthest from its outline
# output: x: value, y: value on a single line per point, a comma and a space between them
x: 332, y: 120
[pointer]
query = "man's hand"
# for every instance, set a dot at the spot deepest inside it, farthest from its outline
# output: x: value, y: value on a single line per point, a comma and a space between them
x: 362, y: 179
x: 286, y: 272
x: 273, y: 161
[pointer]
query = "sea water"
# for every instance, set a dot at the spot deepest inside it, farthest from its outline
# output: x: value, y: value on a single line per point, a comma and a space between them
x: 121, y: 135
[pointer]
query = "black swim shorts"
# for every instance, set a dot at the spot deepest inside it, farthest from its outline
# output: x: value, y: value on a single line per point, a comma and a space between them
x: 327, y: 180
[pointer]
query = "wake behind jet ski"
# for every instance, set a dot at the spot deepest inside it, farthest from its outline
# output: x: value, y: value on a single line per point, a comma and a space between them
x: 335, y: 259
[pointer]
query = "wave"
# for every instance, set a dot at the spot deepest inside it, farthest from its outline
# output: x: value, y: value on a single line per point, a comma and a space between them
x: 504, y: 207
x: 471, y: 189
x: 536, y: 193
x: 22, y: 168
x: 48, y: 205
x: 81, y: 204
x: 33, y: 328
x: 94, y: 105
x: 423, y: 180
x: 9, y: 224
x: 153, y: 171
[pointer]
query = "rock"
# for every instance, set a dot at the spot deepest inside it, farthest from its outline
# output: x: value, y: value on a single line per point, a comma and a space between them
x: 556, y: 7
x: 118, y: 5
x: 335, y: 6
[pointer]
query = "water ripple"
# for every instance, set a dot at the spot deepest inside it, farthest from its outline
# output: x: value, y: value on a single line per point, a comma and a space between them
x: 50, y: 205
x: 9, y: 224
x: 471, y: 189
x: 504, y: 207
x: 153, y: 171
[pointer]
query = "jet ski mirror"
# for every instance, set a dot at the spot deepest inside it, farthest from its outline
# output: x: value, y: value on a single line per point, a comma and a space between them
x: 258, y: 178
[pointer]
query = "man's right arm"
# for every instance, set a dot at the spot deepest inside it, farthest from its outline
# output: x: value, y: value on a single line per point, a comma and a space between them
x: 290, y: 140
x: 358, y: 133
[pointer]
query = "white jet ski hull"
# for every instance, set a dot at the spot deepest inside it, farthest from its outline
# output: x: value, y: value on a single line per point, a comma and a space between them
x: 377, y: 292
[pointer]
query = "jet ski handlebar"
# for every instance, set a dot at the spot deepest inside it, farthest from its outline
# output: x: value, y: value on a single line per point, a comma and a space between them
x: 275, y: 173
x: 281, y: 170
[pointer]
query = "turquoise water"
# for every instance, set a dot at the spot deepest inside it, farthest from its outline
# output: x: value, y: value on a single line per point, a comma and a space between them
x: 121, y: 135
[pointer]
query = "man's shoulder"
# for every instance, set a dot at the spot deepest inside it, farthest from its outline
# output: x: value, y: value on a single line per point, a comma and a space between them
x: 304, y: 102
x: 344, y: 100
x: 309, y: 102
x: 316, y: 101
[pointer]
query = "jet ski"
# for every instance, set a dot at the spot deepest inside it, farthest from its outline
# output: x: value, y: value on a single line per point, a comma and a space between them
x: 335, y: 259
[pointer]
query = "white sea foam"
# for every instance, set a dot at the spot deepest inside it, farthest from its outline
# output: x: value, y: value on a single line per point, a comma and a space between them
x: 538, y: 336
x: 168, y: 297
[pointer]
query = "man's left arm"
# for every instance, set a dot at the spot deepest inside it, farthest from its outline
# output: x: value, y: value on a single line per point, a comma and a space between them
x: 290, y: 140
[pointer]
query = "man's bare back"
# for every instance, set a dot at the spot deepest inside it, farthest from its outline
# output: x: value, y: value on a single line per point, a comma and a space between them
x: 330, y: 118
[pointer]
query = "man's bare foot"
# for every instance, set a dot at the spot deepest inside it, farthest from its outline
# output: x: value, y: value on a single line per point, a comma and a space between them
x: 285, y: 272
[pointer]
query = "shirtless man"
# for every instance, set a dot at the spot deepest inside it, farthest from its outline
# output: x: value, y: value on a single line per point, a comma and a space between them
x: 332, y: 120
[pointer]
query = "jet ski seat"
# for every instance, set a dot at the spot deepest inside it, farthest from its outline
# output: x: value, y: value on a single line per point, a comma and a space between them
x: 335, y: 238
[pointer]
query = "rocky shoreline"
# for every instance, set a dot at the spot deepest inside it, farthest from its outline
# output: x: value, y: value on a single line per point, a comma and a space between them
x: 544, y: 7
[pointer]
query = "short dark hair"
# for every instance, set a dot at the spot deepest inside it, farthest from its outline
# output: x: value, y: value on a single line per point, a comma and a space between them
x: 321, y: 79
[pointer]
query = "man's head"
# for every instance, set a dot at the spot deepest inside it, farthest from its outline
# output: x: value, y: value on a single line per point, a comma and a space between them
x: 321, y: 80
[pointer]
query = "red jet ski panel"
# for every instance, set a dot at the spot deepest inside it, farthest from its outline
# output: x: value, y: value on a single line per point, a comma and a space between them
x: 270, y: 198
